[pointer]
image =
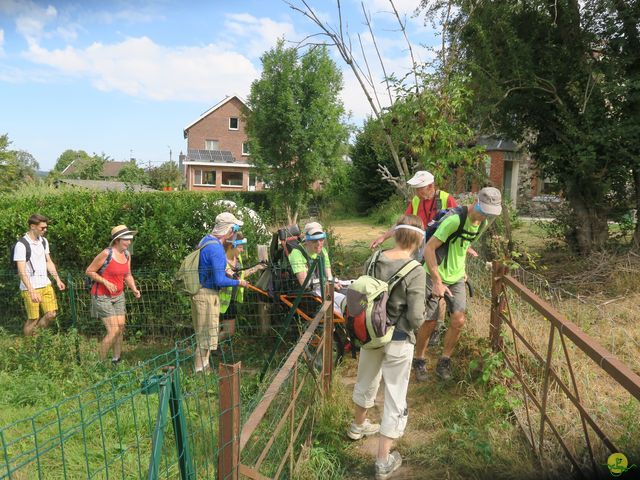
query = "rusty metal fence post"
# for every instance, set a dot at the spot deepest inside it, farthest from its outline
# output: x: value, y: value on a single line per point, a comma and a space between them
x: 327, y: 349
x: 498, y: 302
x: 229, y: 428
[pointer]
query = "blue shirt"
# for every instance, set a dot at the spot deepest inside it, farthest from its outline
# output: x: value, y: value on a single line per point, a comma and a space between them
x: 212, y: 265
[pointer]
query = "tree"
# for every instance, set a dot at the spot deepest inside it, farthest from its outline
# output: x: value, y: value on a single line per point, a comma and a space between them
x: 540, y: 75
x: 132, y: 174
x: 294, y: 122
x: 165, y: 175
x: 17, y: 167
x: 368, y: 153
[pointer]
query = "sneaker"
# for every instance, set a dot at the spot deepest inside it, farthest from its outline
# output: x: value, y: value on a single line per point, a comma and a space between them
x: 115, y: 361
x: 420, y: 367
x: 356, y: 432
x: 443, y: 369
x: 385, y: 469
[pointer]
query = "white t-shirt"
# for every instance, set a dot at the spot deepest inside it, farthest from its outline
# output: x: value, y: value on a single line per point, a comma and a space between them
x: 36, y: 267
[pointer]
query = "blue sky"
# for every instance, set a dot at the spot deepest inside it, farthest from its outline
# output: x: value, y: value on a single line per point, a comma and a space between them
x: 125, y: 77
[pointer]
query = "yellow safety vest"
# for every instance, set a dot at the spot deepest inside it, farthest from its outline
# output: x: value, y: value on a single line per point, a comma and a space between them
x: 441, y: 202
x: 226, y: 293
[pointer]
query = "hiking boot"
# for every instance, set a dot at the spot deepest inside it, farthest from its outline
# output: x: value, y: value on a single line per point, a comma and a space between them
x: 443, y: 368
x: 420, y: 367
x: 356, y: 432
x: 385, y: 469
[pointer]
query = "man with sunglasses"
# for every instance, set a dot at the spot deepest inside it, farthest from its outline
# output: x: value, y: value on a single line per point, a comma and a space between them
x: 448, y: 278
x: 32, y: 257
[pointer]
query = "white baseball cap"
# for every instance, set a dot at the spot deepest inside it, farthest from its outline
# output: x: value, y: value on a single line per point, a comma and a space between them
x: 421, y: 179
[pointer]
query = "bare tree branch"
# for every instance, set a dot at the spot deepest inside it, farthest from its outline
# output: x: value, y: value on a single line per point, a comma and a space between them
x: 367, y: 19
x: 403, y: 28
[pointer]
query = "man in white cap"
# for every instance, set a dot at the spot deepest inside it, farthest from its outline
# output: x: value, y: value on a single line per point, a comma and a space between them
x: 205, y: 305
x: 448, y: 279
x: 301, y: 257
x: 426, y: 203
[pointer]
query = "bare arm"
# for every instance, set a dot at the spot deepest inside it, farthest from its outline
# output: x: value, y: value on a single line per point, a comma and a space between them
x: 131, y: 283
x: 439, y: 288
x: 51, y: 268
x: 22, y: 273
x: 381, y: 239
x: 94, y: 266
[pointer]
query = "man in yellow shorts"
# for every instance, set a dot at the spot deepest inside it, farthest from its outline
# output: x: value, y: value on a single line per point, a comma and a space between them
x: 31, y: 254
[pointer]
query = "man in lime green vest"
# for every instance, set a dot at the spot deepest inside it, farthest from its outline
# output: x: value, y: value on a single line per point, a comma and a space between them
x: 426, y: 202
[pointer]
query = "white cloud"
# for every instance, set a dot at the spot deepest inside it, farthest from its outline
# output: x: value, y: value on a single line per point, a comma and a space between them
x: 261, y: 33
x: 141, y: 68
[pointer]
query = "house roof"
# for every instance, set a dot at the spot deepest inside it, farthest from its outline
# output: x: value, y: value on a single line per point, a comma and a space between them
x: 497, y: 144
x: 211, y: 110
x: 110, y: 169
x: 105, y: 185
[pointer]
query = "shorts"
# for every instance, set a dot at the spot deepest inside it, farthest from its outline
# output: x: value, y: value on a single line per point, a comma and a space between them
x: 48, y: 302
x: 456, y: 303
x: 105, y: 306
x: 205, y: 313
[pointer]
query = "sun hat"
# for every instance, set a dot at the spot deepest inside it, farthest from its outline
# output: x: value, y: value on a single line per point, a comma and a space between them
x: 421, y: 179
x: 225, y: 221
x: 122, y: 232
x: 490, y: 200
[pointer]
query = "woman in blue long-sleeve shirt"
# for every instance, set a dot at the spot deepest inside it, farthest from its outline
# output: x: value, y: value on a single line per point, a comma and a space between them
x: 205, y: 305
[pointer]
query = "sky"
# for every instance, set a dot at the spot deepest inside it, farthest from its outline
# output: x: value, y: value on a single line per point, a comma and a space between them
x: 125, y: 77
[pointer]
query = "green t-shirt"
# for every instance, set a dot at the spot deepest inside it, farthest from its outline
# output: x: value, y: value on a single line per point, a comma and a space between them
x: 452, y: 270
x: 299, y: 263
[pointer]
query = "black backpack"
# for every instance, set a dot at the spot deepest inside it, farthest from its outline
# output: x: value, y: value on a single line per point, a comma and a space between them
x: 460, y: 233
x: 27, y: 247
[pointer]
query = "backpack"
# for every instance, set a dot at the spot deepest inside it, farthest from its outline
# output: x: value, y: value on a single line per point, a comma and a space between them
x: 188, y: 275
x: 461, y: 233
x: 88, y: 283
x: 27, y: 247
x: 367, y: 298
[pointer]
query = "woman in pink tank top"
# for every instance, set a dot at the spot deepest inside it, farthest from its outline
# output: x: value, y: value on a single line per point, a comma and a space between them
x: 109, y: 271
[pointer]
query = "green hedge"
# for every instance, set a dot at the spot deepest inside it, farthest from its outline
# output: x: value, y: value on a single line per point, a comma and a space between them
x: 170, y: 224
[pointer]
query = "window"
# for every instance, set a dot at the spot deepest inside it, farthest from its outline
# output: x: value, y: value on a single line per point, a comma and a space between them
x: 549, y: 186
x: 211, y: 145
x: 252, y: 182
x: 232, y: 179
x: 245, y: 148
x: 233, y: 123
x: 204, y: 177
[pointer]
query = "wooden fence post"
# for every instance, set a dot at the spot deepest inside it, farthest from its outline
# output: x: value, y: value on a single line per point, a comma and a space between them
x: 229, y: 427
x: 327, y: 349
x: 498, y: 300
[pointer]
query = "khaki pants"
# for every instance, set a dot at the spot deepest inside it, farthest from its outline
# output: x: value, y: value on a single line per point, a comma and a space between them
x: 205, y: 312
x: 392, y: 363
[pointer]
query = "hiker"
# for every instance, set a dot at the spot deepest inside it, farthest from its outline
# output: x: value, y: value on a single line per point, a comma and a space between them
x: 205, y: 304
x: 231, y: 296
x: 448, y: 279
x: 33, y: 261
x: 303, y: 255
x: 109, y: 271
x: 392, y: 362
x: 426, y: 203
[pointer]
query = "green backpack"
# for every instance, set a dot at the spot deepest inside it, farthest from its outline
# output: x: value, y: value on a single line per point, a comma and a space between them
x: 366, y: 312
x: 188, y: 275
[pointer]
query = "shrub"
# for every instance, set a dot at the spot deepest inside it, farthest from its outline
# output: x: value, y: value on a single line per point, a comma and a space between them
x: 169, y: 224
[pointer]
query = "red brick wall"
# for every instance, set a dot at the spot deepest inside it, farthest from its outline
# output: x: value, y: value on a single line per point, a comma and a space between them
x: 215, y: 126
x: 496, y: 171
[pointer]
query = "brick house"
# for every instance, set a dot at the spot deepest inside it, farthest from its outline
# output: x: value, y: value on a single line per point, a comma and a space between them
x: 218, y: 155
x: 513, y: 171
